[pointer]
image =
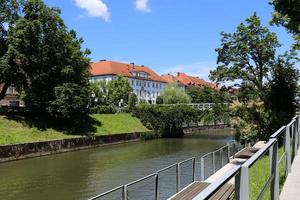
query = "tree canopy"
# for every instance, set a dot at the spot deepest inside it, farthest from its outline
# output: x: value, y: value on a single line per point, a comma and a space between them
x: 246, y: 56
x: 265, y: 82
x: 287, y: 14
x: 119, y: 88
x: 173, y: 94
x: 44, y: 59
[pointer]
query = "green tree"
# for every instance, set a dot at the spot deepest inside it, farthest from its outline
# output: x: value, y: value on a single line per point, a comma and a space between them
x: 173, y: 94
x: 246, y: 56
x: 283, y: 91
x: 132, y: 101
x: 99, y: 93
x: 119, y: 88
x: 208, y: 95
x: 9, y: 14
x: 287, y: 14
x: 50, y: 59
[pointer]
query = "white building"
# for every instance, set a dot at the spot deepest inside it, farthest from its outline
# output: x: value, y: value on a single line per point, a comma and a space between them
x: 146, y: 84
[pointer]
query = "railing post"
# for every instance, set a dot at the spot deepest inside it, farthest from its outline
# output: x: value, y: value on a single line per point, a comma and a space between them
x: 194, y: 169
x: 237, y: 185
x: 288, y: 150
x: 275, y: 172
x: 228, y: 152
x: 294, y: 142
x: 178, y: 176
x: 244, y: 183
x: 202, y: 177
x: 222, y: 162
x: 156, y: 187
x: 213, y: 162
x: 124, y: 193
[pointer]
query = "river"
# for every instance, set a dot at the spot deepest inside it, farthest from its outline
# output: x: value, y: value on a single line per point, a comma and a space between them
x: 82, y: 174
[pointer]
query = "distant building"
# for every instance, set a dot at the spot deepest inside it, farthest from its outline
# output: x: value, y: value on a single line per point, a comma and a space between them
x: 186, y: 81
x: 146, y: 84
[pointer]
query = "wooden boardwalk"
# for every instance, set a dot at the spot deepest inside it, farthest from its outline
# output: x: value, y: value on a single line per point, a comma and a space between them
x: 196, y: 187
x: 291, y: 188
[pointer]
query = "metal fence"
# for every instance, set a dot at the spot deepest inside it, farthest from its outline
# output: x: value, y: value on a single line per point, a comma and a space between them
x: 285, y: 141
x: 168, y: 181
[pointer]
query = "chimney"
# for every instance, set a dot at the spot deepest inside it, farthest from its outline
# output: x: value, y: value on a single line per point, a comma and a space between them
x: 132, y: 64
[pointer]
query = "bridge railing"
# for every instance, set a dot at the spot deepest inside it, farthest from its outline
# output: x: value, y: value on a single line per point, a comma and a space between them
x: 287, y: 139
x: 168, y: 181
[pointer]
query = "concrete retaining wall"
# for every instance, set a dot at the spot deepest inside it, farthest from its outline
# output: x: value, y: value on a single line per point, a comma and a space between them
x: 35, y: 149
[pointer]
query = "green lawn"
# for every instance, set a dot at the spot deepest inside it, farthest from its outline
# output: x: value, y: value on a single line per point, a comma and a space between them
x: 18, y: 129
x: 259, y: 174
x: 118, y: 123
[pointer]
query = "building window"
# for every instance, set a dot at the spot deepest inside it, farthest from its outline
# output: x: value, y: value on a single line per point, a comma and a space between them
x: 148, y: 84
x: 132, y: 82
x: 156, y: 85
x: 160, y: 86
x: 153, y: 85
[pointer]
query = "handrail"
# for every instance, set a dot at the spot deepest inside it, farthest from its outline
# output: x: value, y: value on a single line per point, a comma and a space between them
x: 259, y: 154
x: 141, y: 179
x: 278, y: 132
x: 216, y: 185
x: 106, y: 193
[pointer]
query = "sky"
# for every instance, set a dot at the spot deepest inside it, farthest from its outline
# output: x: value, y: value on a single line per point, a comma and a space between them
x: 166, y: 35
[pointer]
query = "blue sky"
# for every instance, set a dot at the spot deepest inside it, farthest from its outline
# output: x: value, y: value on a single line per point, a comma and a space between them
x: 166, y: 35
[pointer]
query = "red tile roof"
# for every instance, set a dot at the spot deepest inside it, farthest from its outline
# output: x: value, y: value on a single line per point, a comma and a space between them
x: 122, y: 69
x: 187, y: 80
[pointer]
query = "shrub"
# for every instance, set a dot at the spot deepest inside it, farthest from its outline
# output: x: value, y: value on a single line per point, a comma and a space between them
x: 132, y: 100
x: 167, y: 120
x: 103, y: 109
x: 159, y: 100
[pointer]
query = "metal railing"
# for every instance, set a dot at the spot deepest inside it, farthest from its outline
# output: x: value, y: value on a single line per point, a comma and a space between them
x: 152, y: 185
x: 287, y: 137
x: 202, y: 106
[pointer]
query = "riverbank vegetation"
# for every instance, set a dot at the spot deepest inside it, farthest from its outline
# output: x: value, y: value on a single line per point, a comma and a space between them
x: 264, y: 84
x: 166, y: 120
x: 20, y: 129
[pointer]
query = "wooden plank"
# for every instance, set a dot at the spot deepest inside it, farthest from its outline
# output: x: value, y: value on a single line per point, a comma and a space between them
x: 195, y: 188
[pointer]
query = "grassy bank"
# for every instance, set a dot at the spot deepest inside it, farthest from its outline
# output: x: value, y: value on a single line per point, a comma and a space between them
x: 20, y: 129
x: 259, y: 174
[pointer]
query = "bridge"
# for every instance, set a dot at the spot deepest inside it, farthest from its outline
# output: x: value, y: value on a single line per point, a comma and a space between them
x: 226, y: 172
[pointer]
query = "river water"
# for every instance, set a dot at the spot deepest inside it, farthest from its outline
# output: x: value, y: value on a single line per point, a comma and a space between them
x: 82, y: 174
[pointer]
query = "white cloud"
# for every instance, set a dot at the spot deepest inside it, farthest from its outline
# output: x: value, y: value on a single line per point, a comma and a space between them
x: 142, y: 5
x: 94, y: 8
x: 200, y: 69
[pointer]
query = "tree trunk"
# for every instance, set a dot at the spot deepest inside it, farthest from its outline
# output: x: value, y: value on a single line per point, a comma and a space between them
x: 3, y: 91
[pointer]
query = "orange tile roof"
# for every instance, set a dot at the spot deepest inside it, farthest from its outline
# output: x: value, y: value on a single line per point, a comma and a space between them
x: 194, y: 81
x: 170, y: 78
x: 122, y: 69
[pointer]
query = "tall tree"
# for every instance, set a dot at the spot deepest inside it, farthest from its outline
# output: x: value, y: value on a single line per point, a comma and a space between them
x: 283, y: 90
x: 9, y: 14
x: 287, y: 14
x: 245, y: 57
x: 50, y: 60
x: 119, y: 89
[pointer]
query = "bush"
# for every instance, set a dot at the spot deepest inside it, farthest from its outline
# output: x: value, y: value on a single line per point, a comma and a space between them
x: 103, y: 109
x: 167, y: 120
x: 132, y: 100
x: 159, y: 100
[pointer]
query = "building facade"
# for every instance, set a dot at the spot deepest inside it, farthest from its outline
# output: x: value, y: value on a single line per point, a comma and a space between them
x: 145, y: 83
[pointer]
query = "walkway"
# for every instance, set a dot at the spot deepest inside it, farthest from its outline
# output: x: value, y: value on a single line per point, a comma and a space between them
x: 291, y: 188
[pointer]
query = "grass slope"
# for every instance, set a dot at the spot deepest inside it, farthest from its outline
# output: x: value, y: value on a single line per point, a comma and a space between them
x: 19, y: 129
